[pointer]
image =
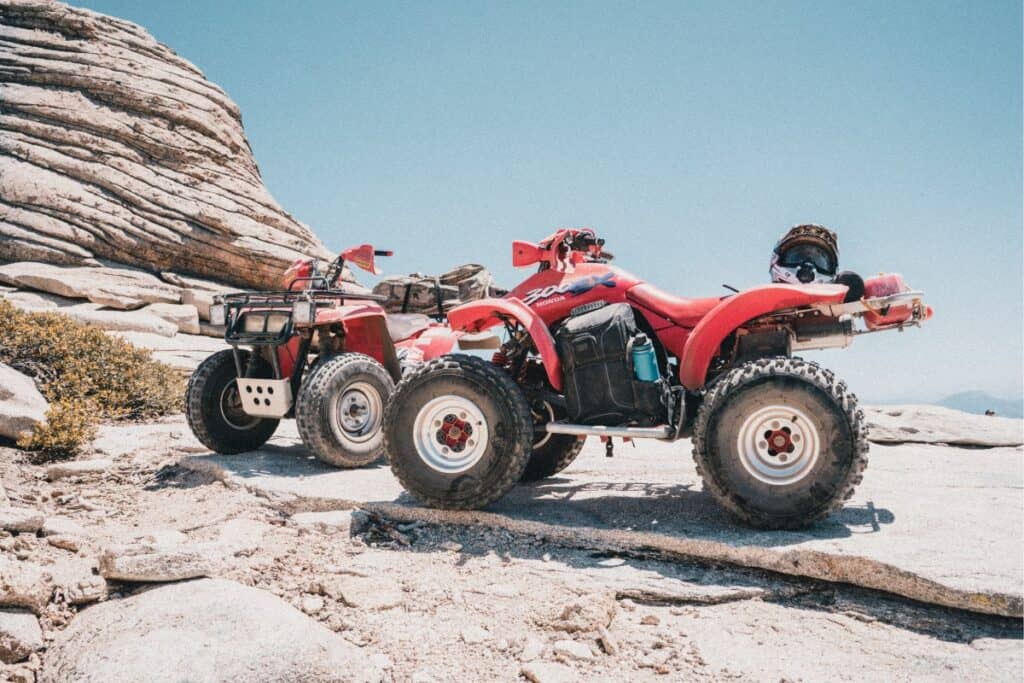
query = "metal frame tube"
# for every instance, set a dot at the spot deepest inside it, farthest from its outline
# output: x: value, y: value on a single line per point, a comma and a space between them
x: 663, y: 432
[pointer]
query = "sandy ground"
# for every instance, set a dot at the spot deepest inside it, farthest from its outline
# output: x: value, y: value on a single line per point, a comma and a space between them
x: 467, y: 602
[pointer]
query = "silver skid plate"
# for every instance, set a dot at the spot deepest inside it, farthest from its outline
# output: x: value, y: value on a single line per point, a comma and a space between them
x: 265, y: 397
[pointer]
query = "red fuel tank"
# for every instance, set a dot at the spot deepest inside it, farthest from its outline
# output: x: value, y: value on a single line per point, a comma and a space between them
x: 886, y: 284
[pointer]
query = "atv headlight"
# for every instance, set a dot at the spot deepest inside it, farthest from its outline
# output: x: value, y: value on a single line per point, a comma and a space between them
x: 276, y: 322
x: 218, y: 314
x: 302, y: 312
x: 260, y: 323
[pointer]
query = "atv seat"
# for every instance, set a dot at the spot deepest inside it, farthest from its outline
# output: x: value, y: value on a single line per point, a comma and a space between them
x: 404, y: 325
x: 683, y: 312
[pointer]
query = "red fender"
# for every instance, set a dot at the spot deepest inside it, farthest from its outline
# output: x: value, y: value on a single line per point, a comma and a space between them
x: 707, y: 337
x: 366, y: 331
x: 486, y: 313
x: 435, y: 341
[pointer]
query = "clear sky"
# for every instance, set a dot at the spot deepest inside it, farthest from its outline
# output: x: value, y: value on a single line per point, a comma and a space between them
x: 690, y: 134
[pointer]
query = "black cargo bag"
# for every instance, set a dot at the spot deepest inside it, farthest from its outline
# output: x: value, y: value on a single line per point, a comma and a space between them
x: 595, y: 351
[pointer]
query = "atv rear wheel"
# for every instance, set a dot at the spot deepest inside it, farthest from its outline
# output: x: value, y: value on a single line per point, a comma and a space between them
x: 458, y: 432
x: 213, y: 406
x: 780, y: 443
x: 340, y: 409
x: 551, y: 453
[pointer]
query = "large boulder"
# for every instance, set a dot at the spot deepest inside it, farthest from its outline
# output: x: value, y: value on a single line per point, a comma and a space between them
x: 113, y: 147
x: 22, y: 407
x: 124, y: 288
x: 206, y: 630
x: 935, y: 424
x: 35, y: 302
x: 197, y: 292
x: 123, y: 321
x: 24, y: 584
x: 158, y: 562
x: 182, y: 351
x: 20, y: 635
x: 183, y: 316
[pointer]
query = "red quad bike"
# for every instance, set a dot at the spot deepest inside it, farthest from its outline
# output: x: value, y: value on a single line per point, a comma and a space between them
x: 323, y: 354
x: 592, y: 350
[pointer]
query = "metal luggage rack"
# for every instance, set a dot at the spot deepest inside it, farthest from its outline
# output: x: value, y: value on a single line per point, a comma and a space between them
x: 265, y: 305
x: 287, y: 298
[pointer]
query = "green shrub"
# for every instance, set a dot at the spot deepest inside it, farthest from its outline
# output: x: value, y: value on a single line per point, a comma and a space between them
x: 85, y: 374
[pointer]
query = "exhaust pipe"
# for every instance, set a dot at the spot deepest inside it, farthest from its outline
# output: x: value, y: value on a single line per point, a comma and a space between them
x: 822, y: 334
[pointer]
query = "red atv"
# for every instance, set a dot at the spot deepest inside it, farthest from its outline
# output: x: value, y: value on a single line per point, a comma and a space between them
x: 592, y: 350
x: 318, y: 351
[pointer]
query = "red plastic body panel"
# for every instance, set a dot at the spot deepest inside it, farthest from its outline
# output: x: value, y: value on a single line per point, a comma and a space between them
x: 365, y: 331
x: 484, y: 314
x: 734, y: 311
x: 525, y: 254
x: 435, y: 341
x: 287, y: 354
x: 350, y: 311
x: 552, y: 293
x: 362, y: 256
x: 684, y: 312
x: 368, y: 334
x: 300, y: 268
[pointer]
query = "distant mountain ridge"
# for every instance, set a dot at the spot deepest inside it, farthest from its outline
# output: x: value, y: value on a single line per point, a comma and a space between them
x: 979, y: 401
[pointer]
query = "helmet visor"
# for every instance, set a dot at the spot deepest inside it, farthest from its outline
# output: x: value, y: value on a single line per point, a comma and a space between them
x: 816, y: 255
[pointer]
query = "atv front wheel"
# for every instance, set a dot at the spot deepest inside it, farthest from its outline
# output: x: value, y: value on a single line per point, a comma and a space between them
x: 213, y: 406
x: 340, y: 409
x: 780, y: 443
x: 458, y: 432
x: 551, y: 453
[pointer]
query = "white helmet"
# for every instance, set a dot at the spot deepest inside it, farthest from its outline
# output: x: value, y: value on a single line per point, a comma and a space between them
x: 806, y: 254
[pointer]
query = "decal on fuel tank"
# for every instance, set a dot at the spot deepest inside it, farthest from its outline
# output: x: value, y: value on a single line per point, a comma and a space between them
x: 574, y: 288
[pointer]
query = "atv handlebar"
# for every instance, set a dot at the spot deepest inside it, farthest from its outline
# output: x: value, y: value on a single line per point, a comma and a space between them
x: 561, y: 250
x: 589, y: 244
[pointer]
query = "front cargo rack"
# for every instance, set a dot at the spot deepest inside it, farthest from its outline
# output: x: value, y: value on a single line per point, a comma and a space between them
x: 287, y: 298
x: 264, y: 312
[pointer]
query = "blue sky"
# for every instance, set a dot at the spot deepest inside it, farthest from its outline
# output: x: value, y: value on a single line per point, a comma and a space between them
x: 691, y: 135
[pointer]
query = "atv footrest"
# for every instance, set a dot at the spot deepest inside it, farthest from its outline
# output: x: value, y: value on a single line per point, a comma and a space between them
x: 265, y: 397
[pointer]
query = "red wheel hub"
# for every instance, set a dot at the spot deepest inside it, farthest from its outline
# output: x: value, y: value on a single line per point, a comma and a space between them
x: 454, y: 433
x: 779, y: 441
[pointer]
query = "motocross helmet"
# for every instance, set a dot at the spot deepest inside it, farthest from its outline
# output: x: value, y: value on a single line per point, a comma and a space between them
x: 806, y: 254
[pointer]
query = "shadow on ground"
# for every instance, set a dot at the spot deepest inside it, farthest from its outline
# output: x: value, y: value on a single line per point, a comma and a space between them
x: 675, y: 510
x: 667, y: 581
x: 683, y: 510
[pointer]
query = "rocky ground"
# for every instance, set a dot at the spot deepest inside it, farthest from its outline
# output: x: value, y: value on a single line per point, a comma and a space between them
x: 90, y: 550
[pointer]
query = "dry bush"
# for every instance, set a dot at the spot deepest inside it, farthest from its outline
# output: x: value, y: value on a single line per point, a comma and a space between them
x: 69, y: 425
x: 85, y: 374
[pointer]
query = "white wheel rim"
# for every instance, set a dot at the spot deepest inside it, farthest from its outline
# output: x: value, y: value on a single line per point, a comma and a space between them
x: 778, y: 445
x: 442, y: 439
x: 231, y: 402
x: 356, y: 413
x: 542, y: 415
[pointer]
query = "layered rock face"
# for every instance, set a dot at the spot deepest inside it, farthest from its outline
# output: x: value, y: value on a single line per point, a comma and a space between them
x: 115, y: 149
